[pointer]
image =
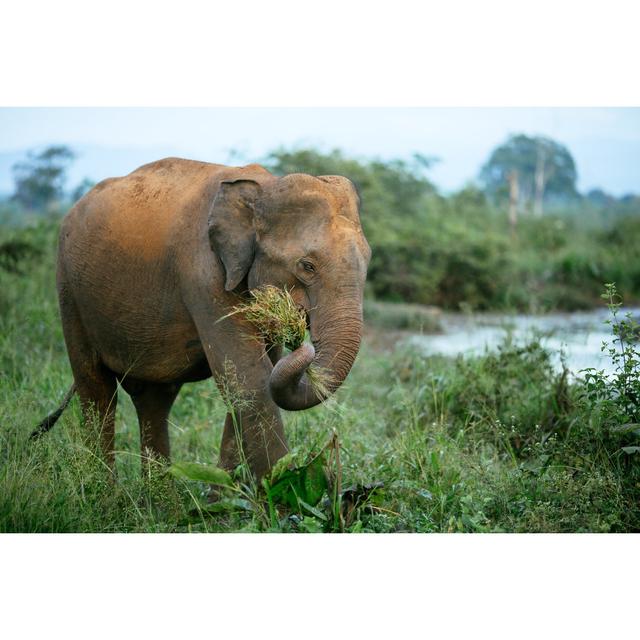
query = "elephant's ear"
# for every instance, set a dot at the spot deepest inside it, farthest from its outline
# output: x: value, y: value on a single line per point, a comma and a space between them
x: 231, y: 230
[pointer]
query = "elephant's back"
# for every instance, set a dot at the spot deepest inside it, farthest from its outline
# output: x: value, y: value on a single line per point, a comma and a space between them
x: 137, y: 214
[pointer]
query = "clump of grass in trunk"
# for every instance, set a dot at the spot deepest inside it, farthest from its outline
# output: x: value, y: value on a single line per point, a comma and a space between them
x: 280, y: 321
x: 276, y: 316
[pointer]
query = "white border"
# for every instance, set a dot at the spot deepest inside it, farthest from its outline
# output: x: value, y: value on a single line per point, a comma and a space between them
x: 331, y: 586
x: 334, y: 53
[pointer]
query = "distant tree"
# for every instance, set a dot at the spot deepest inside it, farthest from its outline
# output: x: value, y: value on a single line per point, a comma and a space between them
x: 41, y: 178
x: 609, y: 205
x: 599, y: 198
x: 545, y: 170
x: 630, y: 198
x: 469, y: 197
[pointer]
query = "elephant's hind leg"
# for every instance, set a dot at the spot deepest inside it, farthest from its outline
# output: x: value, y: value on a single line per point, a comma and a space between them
x: 98, y: 393
x: 95, y: 383
x: 153, y: 402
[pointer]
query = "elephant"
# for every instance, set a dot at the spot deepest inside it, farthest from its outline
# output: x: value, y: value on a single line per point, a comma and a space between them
x: 150, y: 267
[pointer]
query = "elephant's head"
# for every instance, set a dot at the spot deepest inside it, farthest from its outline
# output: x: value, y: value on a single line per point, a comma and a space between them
x: 304, y: 233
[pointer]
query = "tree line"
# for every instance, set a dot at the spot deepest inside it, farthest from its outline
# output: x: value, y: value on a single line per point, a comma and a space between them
x: 522, y: 237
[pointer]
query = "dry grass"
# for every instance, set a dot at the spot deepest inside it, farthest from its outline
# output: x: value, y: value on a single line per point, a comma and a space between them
x: 276, y: 316
x: 280, y: 321
x: 320, y: 380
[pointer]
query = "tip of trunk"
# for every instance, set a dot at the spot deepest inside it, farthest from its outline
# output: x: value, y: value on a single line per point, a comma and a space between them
x: 288, y: 384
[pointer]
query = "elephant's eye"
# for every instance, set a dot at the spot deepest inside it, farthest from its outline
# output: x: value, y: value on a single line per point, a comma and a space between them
x: 308, y: 266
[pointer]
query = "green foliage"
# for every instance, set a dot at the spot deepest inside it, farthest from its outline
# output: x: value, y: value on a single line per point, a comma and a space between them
x: 458, y: 251
x: 513, y: 393
x: 200, y: 473
x: 298, y: 482
x: 13, y: 253
x: 617, y: 398
x: 295, y: 485
x: 496, y: 442
x: 40, y: 179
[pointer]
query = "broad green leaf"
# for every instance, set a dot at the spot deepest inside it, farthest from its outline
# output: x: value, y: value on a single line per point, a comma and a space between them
x: 312, y: 510
x: 315, y: 481
x: 200, y: 473
x: 299, y: 480
x: 631, y: 450
x: 307, y: 483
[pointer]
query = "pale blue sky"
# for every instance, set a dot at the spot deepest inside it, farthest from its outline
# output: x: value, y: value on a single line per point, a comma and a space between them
x: 605, y: 142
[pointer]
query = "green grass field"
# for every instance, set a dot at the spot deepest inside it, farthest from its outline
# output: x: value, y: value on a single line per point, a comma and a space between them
x: 500, y: 442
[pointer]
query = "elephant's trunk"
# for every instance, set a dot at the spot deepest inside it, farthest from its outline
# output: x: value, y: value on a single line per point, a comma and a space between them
x: 336, y: 331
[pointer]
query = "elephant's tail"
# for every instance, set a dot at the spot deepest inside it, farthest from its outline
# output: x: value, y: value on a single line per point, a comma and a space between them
x: 52, y: 418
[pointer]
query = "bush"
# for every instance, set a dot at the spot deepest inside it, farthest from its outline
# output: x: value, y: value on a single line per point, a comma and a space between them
x: 458, y: 251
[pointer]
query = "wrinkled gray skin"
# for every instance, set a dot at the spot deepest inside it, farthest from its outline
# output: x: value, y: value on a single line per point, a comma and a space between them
x: 149, y: 264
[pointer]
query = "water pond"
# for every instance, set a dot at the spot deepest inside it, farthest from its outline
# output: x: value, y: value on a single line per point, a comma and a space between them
x: 576, y: 338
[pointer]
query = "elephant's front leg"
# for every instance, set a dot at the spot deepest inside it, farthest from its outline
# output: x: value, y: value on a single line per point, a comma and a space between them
x: 253, y: 431
x: 255, y: 438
